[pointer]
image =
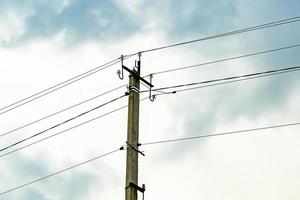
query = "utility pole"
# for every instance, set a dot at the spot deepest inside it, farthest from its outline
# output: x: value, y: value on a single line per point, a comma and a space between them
x: 132, y: 187
x: 132, y: 137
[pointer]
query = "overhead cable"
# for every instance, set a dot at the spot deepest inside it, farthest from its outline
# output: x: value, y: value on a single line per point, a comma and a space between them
x: 99, y: 68
x: 60, y: 171
x: 239, y: 31
x: 66, y: 130
x: 61, y: 123
x: 60, y: 111
x: 288, y: 69
x: 58, y: 86
x: 92, y: 71
x: 226, y: 59
x: 220, y: 83
x: 220, y: 134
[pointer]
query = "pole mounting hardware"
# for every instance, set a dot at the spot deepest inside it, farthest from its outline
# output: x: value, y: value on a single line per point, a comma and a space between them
x: 136, y: 73
x: 136, y: 187
x: 121, y: 72
x: 137, y: 76
x: 135, y: 149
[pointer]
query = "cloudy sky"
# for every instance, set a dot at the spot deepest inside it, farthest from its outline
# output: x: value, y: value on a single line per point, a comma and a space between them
x: 45, y: 42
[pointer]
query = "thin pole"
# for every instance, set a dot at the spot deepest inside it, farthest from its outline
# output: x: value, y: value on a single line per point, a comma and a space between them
x: 132, y: 137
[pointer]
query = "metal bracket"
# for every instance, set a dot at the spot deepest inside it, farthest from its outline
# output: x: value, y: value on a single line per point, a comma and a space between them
x: 138, y: 76
x: 135, y: 149
x: 135, y: 186
x: 121, y: 72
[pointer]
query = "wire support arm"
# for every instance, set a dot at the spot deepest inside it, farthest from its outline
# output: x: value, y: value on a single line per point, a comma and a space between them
x: 135, y: 149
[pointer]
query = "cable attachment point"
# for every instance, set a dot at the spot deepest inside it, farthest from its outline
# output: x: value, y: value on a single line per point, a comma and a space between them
x: 121, y: 148
x: 151, y: 97
x: 135, y: 149
x: 121, y: 72
x: 136, y: 187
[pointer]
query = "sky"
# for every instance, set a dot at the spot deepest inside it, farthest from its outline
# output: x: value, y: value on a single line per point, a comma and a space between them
x: 45, y: 42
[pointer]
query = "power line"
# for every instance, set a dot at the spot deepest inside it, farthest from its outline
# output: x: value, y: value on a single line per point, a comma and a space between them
x: 61, y: 111
x: 64, y: 122
x: 60, y: 85
x: 288, y: 69
x: 221, y: 133
x: 66, y: 130
x: 61, y: 171
x: 61, y: 132
x: 226, y: 59
x: 221, y: 83
x: 99, y: 68
x: 56, y: 87
x: 261, y: 74
x: 152, y: 143
x: 239, y: 31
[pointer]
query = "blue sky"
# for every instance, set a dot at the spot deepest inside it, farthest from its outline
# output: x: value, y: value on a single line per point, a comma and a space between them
x: 45, y: 42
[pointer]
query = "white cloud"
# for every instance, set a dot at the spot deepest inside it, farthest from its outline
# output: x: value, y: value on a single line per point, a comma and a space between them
x: 11, y: 26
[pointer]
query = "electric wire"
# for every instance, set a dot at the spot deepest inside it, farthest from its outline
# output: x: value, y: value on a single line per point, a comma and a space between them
x: 226, y: 59
x: 56, y: 87
x: 61, y: 123
x: 221, y: 83
x: 151, y: 143
x: 66, y: 130
x: 90, y: 72
x: 220, y: 134
x: 60, y: 111
x: 239, y: 31
x: 173, y: 92
x: 61, y: 171
x: 60, y: 85
x: 295, y: 68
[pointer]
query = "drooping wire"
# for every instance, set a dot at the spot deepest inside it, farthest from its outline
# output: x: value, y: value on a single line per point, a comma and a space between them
x: 239, y: 31
x: 61, y: 171
x: 61, y: 111
x: 226, y: 59
x: 66, y: 130
x: 62, y: 123
x: 220, y: 134
x: 288, y: 69
x: 56, y: 87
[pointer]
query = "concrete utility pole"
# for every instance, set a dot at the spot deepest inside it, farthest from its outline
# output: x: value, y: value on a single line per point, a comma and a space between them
x: 132, y: 137
x: 132, y: 187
